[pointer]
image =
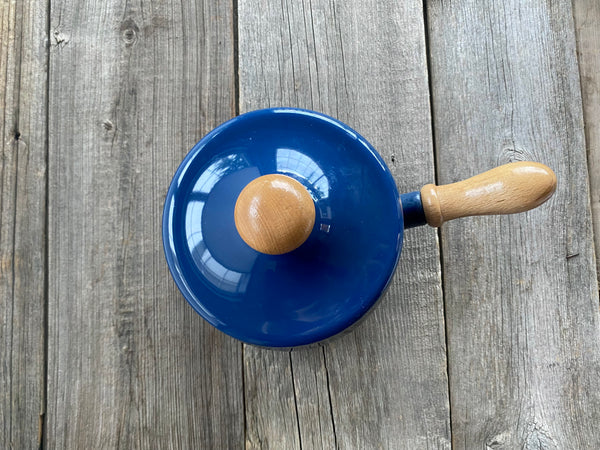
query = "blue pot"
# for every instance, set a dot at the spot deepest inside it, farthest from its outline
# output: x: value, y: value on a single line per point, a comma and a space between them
x: 330, y: 281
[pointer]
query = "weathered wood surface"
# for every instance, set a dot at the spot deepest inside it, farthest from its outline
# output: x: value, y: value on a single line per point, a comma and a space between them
x: 132, y: 87
x: 385, y: 383
x: 23, y: 75
x: 587, y: 31
x: 521, y: 298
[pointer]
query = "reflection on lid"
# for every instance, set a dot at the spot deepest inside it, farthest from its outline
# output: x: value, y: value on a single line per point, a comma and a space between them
x: 217, y: 170
x: 219, y: 277
x: 304, y: 167
x: 215, y: 274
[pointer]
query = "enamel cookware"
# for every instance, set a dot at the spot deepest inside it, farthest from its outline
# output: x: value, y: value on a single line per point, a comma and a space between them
x: 283, y: 227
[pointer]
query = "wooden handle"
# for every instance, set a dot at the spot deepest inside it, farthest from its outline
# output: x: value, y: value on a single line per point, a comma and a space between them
x: 274, y: 214
x: 507, y: 189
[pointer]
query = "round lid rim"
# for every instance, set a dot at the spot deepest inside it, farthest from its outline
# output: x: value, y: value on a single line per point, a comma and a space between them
x: 170, y: 254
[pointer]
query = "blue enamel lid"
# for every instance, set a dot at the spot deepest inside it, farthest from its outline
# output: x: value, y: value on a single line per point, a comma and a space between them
x: 315, y: 291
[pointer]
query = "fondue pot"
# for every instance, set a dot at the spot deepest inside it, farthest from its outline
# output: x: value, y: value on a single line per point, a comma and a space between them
x: 283, y: 227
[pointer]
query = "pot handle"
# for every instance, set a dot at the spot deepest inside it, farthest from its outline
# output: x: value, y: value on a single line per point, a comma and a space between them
x: 507, y: 189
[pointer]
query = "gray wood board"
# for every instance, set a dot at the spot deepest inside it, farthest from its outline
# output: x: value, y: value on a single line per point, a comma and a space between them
x: 587, y: 32
x: 133, y: 85
x: 23, y: 61
x: 521, y: 296
x: 384, y: 384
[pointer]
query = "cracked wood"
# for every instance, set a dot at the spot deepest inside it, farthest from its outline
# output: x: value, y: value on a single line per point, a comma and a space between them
x: 23, y: 152
x: 384, y: 383
x: 523, y: 323
x: 133, y: 86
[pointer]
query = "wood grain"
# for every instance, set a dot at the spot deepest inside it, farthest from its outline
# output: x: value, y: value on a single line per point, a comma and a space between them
x: 274, y: 214
x: 133, y: 85
x: 23, y: 152
x: 521, y: 296
x: 587, y: 31
x: 507, y: 189
x: 271, y: 415
x: 384, y: 384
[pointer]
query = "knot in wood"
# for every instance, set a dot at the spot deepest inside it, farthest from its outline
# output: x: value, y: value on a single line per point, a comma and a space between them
x: 515, y: 153
x: 129, y: 32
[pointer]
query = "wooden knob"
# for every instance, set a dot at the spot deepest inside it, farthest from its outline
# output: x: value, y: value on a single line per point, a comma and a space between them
x: 274, y: 214
x: 507, y: 189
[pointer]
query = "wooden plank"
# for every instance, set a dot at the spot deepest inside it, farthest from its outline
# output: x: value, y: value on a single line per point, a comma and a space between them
x: 271, y: 420
x: 133, y: 85
x: 587, y: 32
x: 384, y: 383
x: 23, y: 151
x: 521, y: 296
